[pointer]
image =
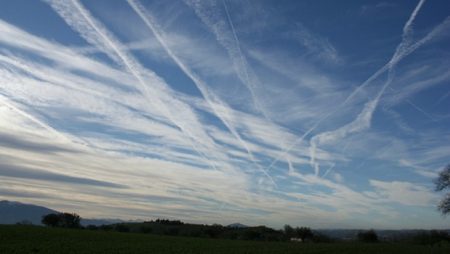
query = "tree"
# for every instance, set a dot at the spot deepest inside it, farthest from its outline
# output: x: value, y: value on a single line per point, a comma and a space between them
x: 65, y: 220
x: 51, y: 220
x: 289, y: 231
x: 69, y: 220
x: 443, y: 183
x: 304, y: 233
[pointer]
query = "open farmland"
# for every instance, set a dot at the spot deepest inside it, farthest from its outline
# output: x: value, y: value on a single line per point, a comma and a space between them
x: 32, y: 239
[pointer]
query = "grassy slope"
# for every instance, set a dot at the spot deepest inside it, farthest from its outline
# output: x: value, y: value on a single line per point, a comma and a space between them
x: 29, y: 239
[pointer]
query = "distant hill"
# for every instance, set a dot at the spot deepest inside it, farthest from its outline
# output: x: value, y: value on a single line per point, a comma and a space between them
x: 15, y: 212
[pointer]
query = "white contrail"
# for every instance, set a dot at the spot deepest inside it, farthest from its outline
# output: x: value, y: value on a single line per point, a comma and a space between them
x: 243, y: 63
x: 328, y: 170
x: 231, y: 45
x: 30, y: 117
x: 438, y: 29
x: 95, y: 33
x: 407, y: 28
x: 219, y: 107
x: 431, y: 117
x: 363, y: 121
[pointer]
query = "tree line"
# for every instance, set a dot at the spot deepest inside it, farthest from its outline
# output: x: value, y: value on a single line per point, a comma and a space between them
x: 258, y: 233
x: 179, y: 228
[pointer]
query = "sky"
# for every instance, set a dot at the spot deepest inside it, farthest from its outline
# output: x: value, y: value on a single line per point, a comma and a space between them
x: 327, y: 114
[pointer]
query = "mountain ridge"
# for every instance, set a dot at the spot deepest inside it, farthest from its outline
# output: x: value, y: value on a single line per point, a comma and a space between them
x: 13, y: 212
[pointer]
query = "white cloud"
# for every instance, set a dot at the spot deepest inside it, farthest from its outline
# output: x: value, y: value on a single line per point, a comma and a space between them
x: 319, y: 47
x: 405, y: 193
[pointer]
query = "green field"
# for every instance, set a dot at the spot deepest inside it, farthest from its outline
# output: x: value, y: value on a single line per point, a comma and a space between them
x: 32, y: 239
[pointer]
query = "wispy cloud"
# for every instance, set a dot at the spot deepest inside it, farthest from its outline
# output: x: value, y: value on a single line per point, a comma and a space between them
x: 225, y: 33
x: 317, y: 46
x: 371, y: 8
x: 98, y: 35
x: 404, y: 193
x: 363, y: 120
x: 220, y: 109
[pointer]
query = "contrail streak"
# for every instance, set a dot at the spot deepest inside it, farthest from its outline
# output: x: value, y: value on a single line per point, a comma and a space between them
x: 30, y: 117
x: 95, y: 33
x: 231, y: 45
x: 245, y: 68
x: 220, y: 108
x: 364, y: 119
x: 374, y: 76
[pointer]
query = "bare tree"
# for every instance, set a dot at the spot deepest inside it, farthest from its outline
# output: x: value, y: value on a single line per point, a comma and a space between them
x: 443, y: 183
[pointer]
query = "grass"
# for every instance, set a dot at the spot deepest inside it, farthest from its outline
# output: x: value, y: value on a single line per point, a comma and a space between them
x: 33, y: 239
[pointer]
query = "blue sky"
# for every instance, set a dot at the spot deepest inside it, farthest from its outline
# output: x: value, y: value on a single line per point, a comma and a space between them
x: 311, y: 113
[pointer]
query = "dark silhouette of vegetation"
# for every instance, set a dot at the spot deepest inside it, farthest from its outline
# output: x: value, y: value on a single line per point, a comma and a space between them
x: 304, y: 233
x: 299, y: 233
x: 214, y: 231
x: 321, y: 238
x: 64, y: 220
x: 431, y: 237
x: 145, y: 229
x: 106, y: 227
x: 91, y: 227
x: 70, y: 220
x: 51, y: 220
x: 178, y: 228
x: 369, y: 236
x: 122, y: 228
x: 443, y: 183
x: 258, y: 233
x: 169, y: 222
x: 289, y: 231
